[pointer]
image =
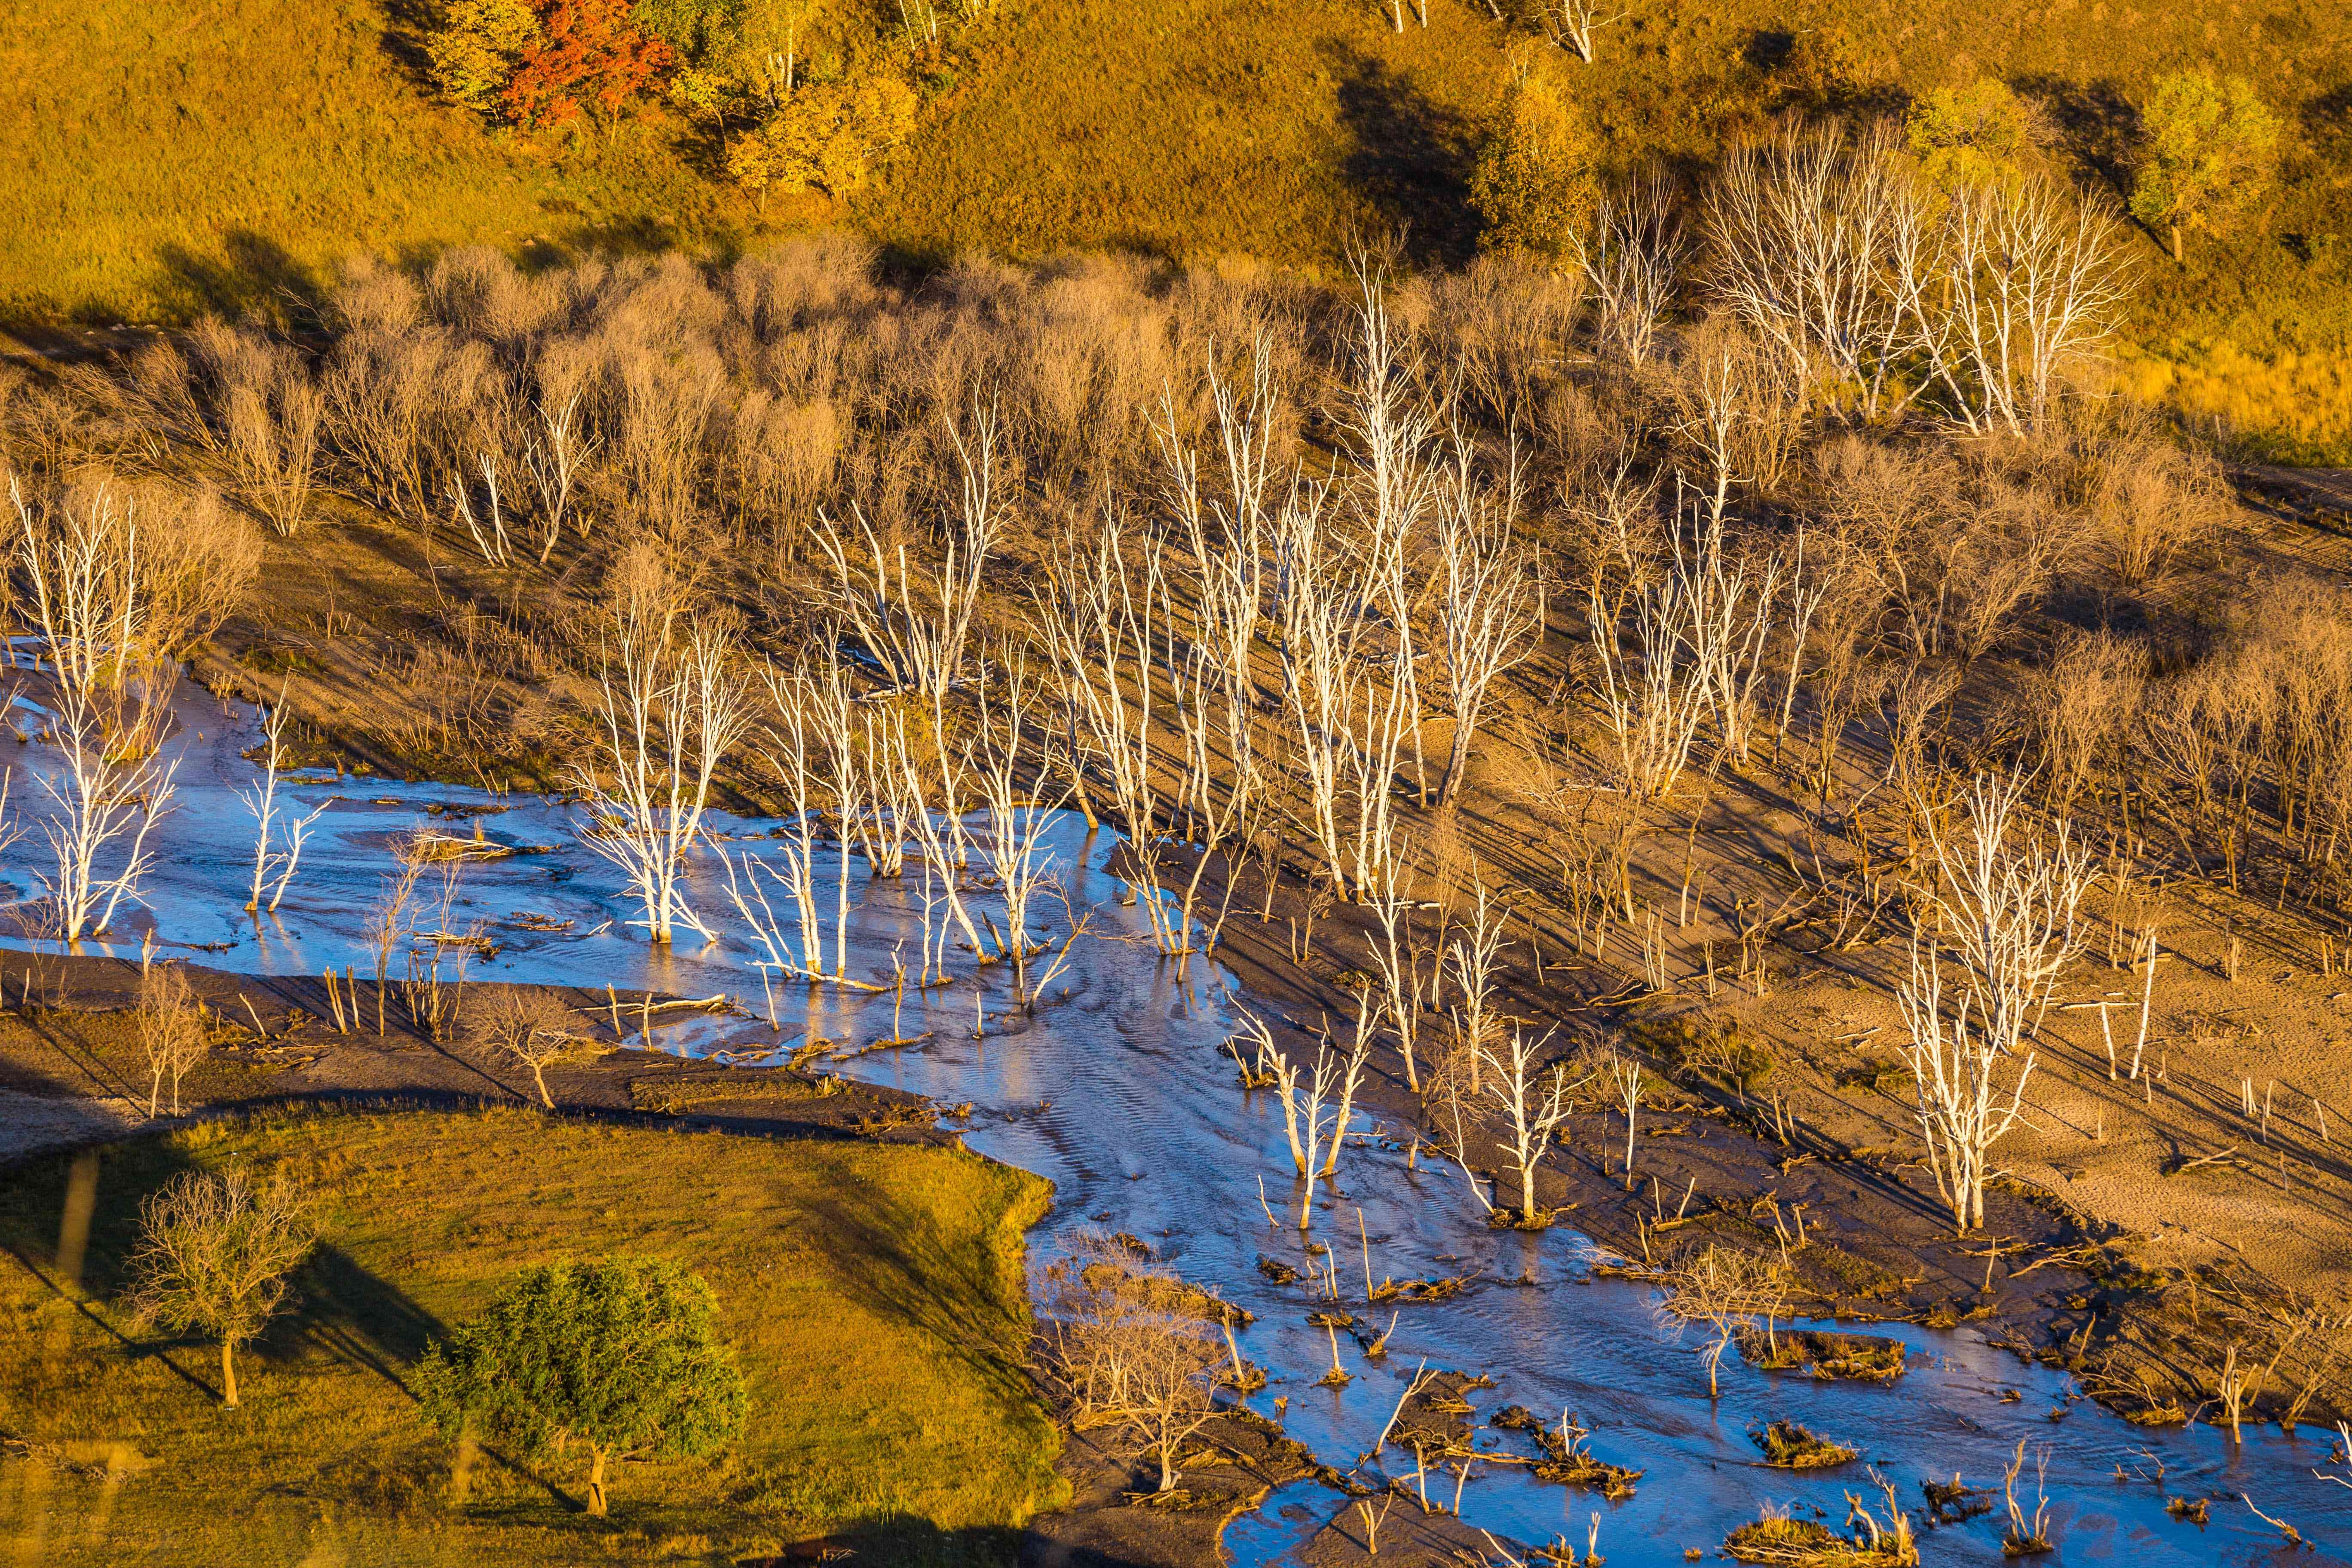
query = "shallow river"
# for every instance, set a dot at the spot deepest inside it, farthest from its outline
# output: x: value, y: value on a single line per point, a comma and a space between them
x: 1119, y: 1092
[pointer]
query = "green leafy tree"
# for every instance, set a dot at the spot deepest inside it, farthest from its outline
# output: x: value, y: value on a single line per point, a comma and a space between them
x: 732, y: 55
x: 473, y: 52
x: 824, y: 136
x: 2211, y: 147
x: 621, y: 1357
x: 1972, y: 135
x: 1533, y: 185
x: 213, y: 1256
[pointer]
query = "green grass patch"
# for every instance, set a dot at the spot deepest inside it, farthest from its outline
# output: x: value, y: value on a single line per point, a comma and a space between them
x: 875, y: 1296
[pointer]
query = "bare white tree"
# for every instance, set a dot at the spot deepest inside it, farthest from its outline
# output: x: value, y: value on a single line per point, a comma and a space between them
x: 1633, y: 260
x: 915, y: 620
x: 671, y: 707
x: 1573, y: 24
x: 275, y: 858
x: 80, y: 579
x: 2008, y: 914
x: 554, y: 456
x: 1533, y: 1102
x: 1315, y: 1103
x: 1016, y: 782
x: 2031, y: 280
x: 1490, y: 604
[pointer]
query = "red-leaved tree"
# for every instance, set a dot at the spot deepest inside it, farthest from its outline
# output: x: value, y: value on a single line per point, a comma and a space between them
x: 590, y: 58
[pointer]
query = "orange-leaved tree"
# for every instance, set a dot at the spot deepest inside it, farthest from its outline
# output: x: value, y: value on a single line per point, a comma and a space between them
x: 590, y: 58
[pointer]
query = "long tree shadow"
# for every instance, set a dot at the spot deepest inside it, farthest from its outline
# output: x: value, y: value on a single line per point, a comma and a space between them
x: 895, y: 1258
x: 252, y: 275
x: 1409, y: 157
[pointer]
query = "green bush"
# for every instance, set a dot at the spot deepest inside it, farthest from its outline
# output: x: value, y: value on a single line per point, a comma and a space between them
x: 621, y: 1357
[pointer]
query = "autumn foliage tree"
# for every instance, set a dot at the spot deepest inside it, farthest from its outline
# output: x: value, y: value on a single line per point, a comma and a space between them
x: 589, y: 59
x: 1533, y: 184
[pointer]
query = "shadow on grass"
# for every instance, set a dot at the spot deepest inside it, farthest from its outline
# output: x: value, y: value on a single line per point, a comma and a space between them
x: 1411, y: 158
x: 252, y: 276
x: 895, y: 1258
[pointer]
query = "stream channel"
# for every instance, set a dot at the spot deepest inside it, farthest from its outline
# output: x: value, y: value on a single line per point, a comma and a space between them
x: 1120, y: 1092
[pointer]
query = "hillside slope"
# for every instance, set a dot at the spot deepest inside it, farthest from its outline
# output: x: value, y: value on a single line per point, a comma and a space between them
x: 156, y: 162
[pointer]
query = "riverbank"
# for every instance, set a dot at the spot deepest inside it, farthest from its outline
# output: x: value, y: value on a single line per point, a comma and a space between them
x: 2142, y: 1226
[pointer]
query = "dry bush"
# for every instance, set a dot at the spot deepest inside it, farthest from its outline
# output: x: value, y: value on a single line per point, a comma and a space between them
x: 531, y: 1029
x: 2081, y: 705
x: 1504, y: 324
x: 1130, y: 1349
x: 2150, y: 504
x: 1959, y: 548
x: 171, y: 1031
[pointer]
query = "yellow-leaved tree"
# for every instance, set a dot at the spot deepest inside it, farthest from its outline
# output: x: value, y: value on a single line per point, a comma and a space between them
x: 473, y: 52
x: 1534, y: 185
x: 824, y: 136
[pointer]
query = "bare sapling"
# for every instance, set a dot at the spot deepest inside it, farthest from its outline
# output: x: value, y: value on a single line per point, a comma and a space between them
x: 278, y: 836
x: 1398, y: 959
x: 1316, y: 1104
x: 1626, y: 1081
x: 670, y: 707
x: 2008, y: 914
x: 1022, y: 785
x: 432, y: 988
x: 1104, y: 612
x: 1533, y: 1102
x: 530, y: 1029
x: 942, y: 837
x: 272, y: 429
x: 390, y: 919
x: 484, y: 525
x: 915, y: 621
x: 171, y: 1033
x: 555, y: 453
x: 789, y: 747
x: 1490, y: 604
x: 2027, y: 1535
x: 1327, y: 683
x: 1654, y: 694
x: 1470, y: 962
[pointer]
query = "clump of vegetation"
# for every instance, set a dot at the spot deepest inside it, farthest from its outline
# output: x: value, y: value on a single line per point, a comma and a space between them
x: 1567, y: 1458
x: 213, y: 1257
x: 621, y: 1357
x: 1866, y: 1358
x: 1869, y: 1541
x: 1796, y: 1448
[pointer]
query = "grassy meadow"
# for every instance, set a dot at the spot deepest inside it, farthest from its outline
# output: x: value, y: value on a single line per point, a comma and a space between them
x: 873, y: 1293
x: 156, y: 162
